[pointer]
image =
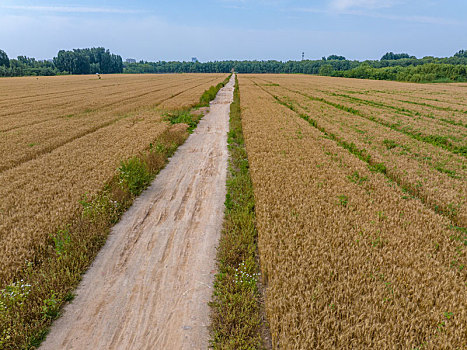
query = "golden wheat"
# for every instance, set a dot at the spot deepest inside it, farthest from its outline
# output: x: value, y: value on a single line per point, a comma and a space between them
x: 50, y: 163
x: 440, y: 109
x: 350, y: 261
x: 435, y: 175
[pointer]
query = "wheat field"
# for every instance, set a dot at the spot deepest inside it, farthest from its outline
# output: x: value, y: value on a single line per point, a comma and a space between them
x: 360, y: 190
x: 62, y: 137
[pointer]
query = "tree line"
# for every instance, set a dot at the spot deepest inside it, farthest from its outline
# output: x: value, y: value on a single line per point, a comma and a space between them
x: 76, y: 61
x: 88, y: 61
x: 391, y: 66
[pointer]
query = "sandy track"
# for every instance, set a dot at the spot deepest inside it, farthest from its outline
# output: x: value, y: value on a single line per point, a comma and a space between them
x: 150, y: 284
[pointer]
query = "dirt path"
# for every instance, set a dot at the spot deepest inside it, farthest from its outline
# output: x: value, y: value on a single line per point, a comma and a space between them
x: 150, y: 284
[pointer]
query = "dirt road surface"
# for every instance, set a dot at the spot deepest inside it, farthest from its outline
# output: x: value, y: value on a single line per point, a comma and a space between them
x: 150, y: 284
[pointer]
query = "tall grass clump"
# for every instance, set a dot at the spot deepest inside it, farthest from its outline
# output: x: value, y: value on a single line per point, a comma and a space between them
x: 236, y: 309
x: 134, y: 175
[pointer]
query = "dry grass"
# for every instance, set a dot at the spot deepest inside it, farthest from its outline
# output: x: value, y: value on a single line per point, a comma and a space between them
x: 350, y: 260
x: 50, y: 159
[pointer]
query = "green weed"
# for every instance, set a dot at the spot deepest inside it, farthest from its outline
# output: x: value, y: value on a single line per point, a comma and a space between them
x: 449, y: 172
x: 183, y: 116
x: 211, y: 93
x: 390, y: 144
x: 378, y: 168
x: 51, y: 306
x: 343, y: 200
x: 435, y: 140
x: 236, y: 311
x: 356, y: 178
x: 14, y: 295
x: 134, y: 175
x: 61, y: 241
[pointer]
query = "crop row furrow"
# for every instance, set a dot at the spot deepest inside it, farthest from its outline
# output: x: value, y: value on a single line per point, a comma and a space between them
x: 34, y: 151
x: 51, y: 147
x: 455, y: 212
x: 435, y: 140
x: 64, y: 93
x: 117, y: 100
x: 402, y: 110
x: 426, y: 154
x: 86, y: 110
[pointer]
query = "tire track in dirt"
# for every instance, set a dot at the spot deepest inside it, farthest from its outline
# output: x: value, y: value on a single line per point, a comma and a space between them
x: 150, y: 285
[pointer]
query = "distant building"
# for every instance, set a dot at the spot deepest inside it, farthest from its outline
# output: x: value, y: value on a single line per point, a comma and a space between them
x: 130, y: 60
x: 194, y: 60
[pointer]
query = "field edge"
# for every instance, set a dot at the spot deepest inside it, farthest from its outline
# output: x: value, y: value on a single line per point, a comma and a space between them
x: 237, y: 312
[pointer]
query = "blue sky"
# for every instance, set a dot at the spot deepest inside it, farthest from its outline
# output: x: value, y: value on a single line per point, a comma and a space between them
x: 235, y: 29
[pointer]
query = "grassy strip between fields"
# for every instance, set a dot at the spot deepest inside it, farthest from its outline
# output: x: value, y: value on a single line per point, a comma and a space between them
x: 435, y: 140
x: 448, y: 210
x: 402, y: 110
x: 30, y: 303
x: 236, y: 308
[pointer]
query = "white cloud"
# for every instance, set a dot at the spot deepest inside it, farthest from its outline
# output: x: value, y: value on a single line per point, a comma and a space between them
x: 68, y: 9
x: 369, y: 8
x: 403, y: 18
x: 343, y: 5
x: 418, y: 19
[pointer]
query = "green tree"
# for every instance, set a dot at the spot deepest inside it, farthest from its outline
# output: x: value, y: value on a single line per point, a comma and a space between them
x: 395, y: 56
x: 336, y: 57
x: 64, y: 61
x: 4, y: 60
x: 461, y: 53
x: 81, y: 63
x: 86, y: 61
x: 326, y: 70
